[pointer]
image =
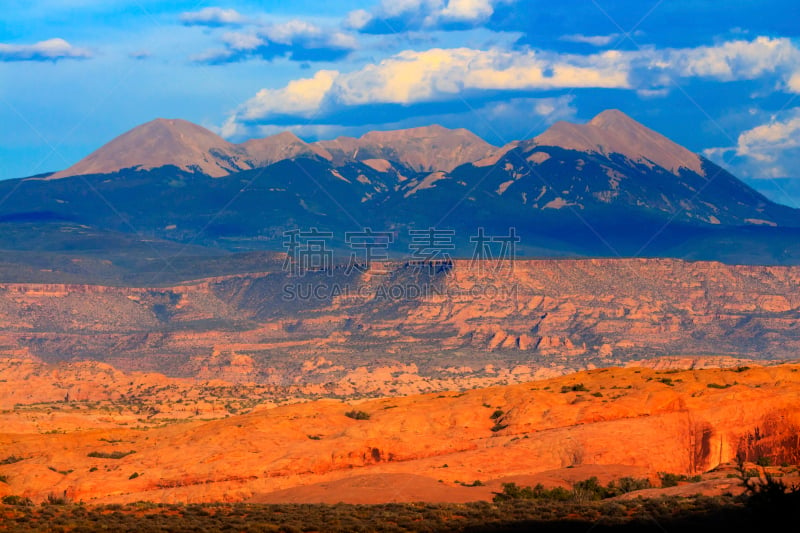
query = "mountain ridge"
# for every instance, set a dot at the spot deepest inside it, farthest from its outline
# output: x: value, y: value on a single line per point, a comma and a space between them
x: 582, y: 199
x: 188, y: 146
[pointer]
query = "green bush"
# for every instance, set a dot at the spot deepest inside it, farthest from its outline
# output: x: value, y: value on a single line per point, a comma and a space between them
x: 511, y: 492
x: 590, y: 490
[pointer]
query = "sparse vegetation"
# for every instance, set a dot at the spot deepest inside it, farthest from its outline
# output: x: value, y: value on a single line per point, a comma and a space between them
x: 357, y: 415
x: 476, y: 483
x: 764, y: 461
x: 11, y: 459
x: 110, y: 455
x: 12, y: 499
x: 546, y: 510
x: 54, y: 499
x: 718, y: 386
x: 578, y: 387
x: 672, y: 480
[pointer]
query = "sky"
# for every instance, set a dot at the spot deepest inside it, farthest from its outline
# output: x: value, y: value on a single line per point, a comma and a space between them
x: 721, y: 78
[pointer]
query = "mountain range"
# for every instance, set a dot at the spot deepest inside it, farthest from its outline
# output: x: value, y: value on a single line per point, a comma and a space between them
x: 610, y: 187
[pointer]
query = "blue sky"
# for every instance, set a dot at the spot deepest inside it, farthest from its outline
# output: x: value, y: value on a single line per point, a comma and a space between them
x: 722, y: 78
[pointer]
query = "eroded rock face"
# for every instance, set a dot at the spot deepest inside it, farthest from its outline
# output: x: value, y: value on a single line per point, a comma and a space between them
x: 452, y: 327
x: 607, y: 422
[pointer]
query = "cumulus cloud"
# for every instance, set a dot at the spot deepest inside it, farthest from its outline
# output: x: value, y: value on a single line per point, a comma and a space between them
x: 300, y: 98
x: 732, y: 60
x: 438, y: 74
x: 49, y: 50
x: 414, y: 79
x: 392, y: 16
x: 770, y: 150
x: 417, y: 78
x: 213, y: 17
x: 296, y: 40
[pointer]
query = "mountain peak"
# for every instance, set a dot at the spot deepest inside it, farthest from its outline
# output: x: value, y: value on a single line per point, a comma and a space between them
x: 424, y: 149
x: 612, y: 131
x: 158, y: 143
x: 284, y: 145
x: 612, y: 118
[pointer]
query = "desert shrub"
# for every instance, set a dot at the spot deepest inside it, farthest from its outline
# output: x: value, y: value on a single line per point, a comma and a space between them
x: 54, y: 499
x: 578, y: 387
x: 497, y: 414
x: 3, y: 479
x: 357, y: 415
x: 511, y: 492
x: 717, y: 386
x: 11, y: 459
x: 764, y: 461
x: 628, y: 484
x: 590, y: 489
x: 499, y: 427
x: 12, y: 499
x: 134, y: 475
x: 110, y: 455
x: 672, y: 480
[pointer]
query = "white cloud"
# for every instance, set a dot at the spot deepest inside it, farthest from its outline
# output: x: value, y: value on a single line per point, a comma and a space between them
x: 732, y: 60
x: 295, y: 39
x: 49, y: 50
x: 441, y: 75
x: 357, y: 19
x: 594, y: 40
x: 770, y: 150
x: 392, y: 16
x: 469, y: 10
x: 436, y: 74
x: 768, y: 141
x: 213, y: 16
x: 793, y: 83
x: 301, y: 98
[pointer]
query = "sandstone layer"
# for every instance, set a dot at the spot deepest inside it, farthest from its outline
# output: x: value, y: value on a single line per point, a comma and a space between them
x: 607, y: 422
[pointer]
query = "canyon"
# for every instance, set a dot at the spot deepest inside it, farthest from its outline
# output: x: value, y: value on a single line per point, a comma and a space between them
x: 402, y: 328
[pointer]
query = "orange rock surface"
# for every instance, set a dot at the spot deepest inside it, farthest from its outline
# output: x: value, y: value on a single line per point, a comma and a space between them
x: 608, y: 422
